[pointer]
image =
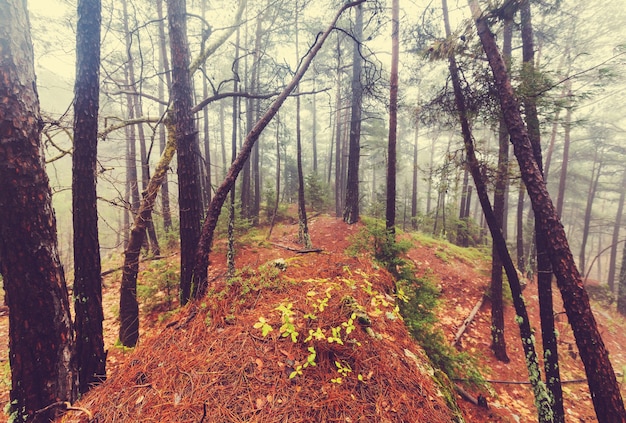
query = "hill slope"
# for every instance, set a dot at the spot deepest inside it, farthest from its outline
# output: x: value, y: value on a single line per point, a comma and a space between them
x: 293, y: 337
x: 316, y: 336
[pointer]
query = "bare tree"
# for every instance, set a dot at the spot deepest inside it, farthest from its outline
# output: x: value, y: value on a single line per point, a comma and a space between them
x: 90, y: 354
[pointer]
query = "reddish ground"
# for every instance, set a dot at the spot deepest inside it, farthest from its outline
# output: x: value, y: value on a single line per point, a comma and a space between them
x: 462, y: 284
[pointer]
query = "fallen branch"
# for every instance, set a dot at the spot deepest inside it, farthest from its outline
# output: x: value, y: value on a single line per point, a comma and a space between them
x: 480, y: 401
x: 295, y: 250
x: 466, y: 322
x: 108, y: 272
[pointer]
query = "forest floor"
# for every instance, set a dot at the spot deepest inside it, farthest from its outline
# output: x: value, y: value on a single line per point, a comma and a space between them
x: 179, y: 343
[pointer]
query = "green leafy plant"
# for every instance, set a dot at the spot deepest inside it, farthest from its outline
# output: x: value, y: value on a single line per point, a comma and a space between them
x: 265, y: 327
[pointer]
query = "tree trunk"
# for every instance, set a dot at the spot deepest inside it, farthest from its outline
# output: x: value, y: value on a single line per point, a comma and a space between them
x: 544, y: 268
x: 603, y: 385
x: 351, y: 209
x: 165, y: 68
x: 566, y: 143
x: 303, y: 227
x: 134, y: 103
x: 390, y: 215
x: 498, y: 342
x: 230, y: 255
x: 591, y: 195
x: 541, y: 399
x: 314, y: 127
x: 615, y: 238
x: 208, y: 229
x: 89, y: 352
x: 414, y: 182
x: 621, y: 288
x: 129, y: 309
x: 41, y: 337
x: 189, y: 201
x: 339, y: 182
x: 277, y: 201
x: 519, y: 238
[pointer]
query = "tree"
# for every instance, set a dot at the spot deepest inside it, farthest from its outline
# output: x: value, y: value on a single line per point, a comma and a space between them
x: 303, y: 227
x: 541, y: 399
x: 90, y: 354
x: 41, y: 336
x: 498, y: 342
x: 390, y: 215
x: 214, y: 210
x: 189, y: 200
x: 351, y: 209
x: 621, y: 287
x: 615, y: 237
x: 165, y: 68
x: 605, y: 391
x: 544, y: 268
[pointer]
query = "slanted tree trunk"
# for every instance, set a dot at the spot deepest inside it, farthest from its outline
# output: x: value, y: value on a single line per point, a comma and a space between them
x: 605, y: 391
x: 351, y: 208
x: 189, y: 201
x: 41, y: 336
x: 89, y: 352
x: 541, y: 399
x: 129, y: 308
x: 544, y: 268
x: 208, y: 229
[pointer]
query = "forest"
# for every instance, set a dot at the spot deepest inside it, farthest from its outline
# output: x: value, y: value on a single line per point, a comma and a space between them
x: 133, y: 126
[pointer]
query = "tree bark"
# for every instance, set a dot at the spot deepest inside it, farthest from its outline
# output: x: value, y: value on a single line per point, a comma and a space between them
x: 614, y: 240
x: 591, y: 195
x: 189, y: 200
x: 544, y: 268
x: 165, y: 68
x: 208, y: 229
x: 603, y: 385
x: 129, y: 309
x: 621, y: 288
x: 414, y: 182
x: 390, y: 215
x: 89, y: 352
x: 498, y: 342
x: 351, y: 208
x: 339, y: 182
x: 541, y: 397
x: 41, y: 336
x: 303, y: 227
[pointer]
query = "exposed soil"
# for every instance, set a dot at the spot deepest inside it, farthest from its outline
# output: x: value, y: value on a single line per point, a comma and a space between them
x: 209, y: 357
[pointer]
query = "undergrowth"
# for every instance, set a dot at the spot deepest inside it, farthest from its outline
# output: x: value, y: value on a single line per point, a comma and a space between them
x: 419, y: 299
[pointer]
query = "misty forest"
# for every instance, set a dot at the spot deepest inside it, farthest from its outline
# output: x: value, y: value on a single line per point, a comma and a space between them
x: 175, y: 140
